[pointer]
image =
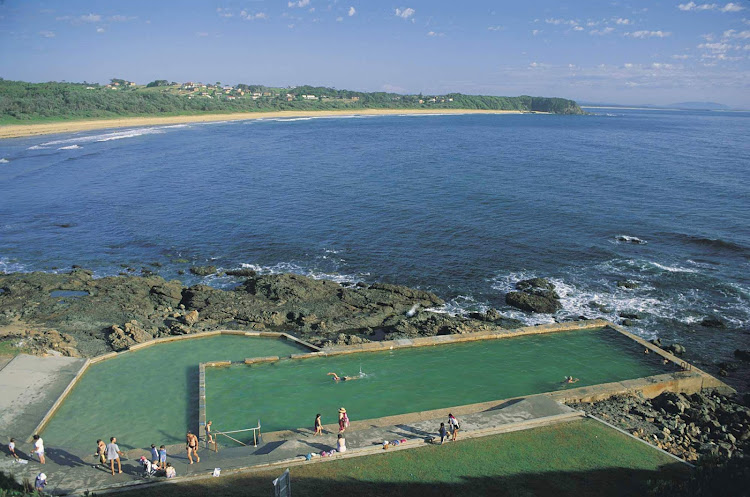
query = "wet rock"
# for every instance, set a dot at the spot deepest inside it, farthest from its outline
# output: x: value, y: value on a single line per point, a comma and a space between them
x: 203, y: 270
x: 628, y: 322
x: 535, y: 295
x: 630, y: 315
x: 243, y: 272
x: 676, y: 349
x: 713, y: 322
x: 629, y: 284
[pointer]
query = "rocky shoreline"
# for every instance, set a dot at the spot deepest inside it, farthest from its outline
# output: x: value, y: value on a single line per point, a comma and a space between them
x: 75, y: 314
x: 692, y: 427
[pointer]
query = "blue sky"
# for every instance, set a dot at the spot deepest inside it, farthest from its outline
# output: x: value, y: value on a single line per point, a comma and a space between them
x: 622, y: 52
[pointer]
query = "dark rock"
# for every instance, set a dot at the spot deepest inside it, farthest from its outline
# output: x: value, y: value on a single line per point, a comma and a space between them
x: 629, y: 315
x: 656, y: 341
x: 713, y: 322
x: 244, y: 272
x: 203, y: 270
x: 535, y: 284
x: 743, y: 355
x: 628, y: 322
x: 532, y: 303
x: 630, y: 285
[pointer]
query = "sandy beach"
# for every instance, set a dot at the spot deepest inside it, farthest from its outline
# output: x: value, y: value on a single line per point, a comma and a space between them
x: 20, y: 130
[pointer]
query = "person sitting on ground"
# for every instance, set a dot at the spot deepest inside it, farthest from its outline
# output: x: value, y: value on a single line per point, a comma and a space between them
x: 171, y: 472
x: 570, y: 379
x: 40, y: 482
x: 341, y: 443
x: 12, y: 448
x: 342, y: 378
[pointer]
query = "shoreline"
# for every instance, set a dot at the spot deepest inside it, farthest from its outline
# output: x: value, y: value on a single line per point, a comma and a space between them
x: 25, y: 130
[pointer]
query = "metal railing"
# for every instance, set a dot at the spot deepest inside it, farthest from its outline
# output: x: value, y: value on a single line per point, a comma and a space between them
x: 255, y: 430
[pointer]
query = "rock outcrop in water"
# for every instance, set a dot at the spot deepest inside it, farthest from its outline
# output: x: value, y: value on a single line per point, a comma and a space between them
x: 121, y: 311
x: 535, y: 295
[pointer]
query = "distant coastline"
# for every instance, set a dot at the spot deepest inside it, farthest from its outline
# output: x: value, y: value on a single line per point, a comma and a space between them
x: 23, y: 130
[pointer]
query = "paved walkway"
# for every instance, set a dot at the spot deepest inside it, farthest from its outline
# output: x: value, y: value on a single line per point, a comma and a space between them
x: 30, y: 386
x: 70, y: 472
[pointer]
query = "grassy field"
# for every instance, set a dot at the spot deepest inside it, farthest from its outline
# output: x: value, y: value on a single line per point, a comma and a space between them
x: 582, y: 458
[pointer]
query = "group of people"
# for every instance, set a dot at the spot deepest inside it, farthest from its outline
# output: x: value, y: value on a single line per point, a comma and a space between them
x: 109, y: 453
x: 453, y: 426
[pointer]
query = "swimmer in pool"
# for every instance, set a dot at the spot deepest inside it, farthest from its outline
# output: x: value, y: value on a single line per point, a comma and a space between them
x: 570, y: 379
x: 339, y: 378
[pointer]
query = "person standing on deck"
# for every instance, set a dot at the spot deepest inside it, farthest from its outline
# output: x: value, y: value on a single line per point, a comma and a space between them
x: 113, y: 454
x: 192, y: 447
x: 39, y: 448
x: 343, y: 420
x: 318, y: 426
x: 453, y: 423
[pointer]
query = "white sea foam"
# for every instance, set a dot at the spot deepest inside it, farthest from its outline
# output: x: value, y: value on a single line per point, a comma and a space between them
x: 629, y: 239
x: 674, y: 269
x: 105, y: 137
x: 70, y: 147
x: 290, y: 267
x: 4, y: 161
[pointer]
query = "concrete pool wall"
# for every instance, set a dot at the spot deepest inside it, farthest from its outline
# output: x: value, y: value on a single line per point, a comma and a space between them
x: 688, y: 380
x: 94, y: 360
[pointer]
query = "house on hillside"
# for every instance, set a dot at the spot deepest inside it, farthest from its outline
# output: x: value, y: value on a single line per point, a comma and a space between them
x: 309, y: 97
x: 355, y: 99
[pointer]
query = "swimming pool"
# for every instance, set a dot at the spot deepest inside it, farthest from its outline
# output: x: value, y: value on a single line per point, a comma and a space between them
x: 148, y: 396
x: 287, y: 394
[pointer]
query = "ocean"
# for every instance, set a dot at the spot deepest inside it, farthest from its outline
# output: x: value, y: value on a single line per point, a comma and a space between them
x: 461, y: 205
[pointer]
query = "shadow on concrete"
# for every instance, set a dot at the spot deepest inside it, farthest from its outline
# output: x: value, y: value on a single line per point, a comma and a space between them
x: 268, y: 448
x: 610, y: 482
x: 508, y: 403
x: 193, y: 373
x: 407, y: 430
x: 64, y: 458
x: 320, y: 447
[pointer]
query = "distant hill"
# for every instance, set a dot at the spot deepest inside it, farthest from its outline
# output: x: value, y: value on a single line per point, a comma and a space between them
x: 699, y: 106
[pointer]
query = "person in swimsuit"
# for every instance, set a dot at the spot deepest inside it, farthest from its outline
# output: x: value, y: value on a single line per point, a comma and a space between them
x: 570, y: 379
x: 101, y: 451
x: 344, y: 378
x: 209, y: 436
x: 192, y: 447
x: 318, y: 427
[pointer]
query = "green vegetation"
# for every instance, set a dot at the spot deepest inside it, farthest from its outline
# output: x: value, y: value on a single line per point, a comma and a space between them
x: 8, y: 347
x: 578, y: 459
x: 24, y: 103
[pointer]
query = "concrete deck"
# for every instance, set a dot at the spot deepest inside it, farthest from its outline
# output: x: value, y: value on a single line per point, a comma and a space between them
x: 72, y: 473
x: 30, y: 386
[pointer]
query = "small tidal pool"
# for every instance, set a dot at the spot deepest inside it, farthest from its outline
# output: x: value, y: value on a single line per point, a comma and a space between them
x: 150, y: 395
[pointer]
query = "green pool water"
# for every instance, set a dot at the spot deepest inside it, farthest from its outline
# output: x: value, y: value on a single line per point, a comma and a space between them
x: 287, y: 394
x: 150, y: 395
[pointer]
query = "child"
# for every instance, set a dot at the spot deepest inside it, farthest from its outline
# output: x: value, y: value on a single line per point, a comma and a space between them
x: 443, y: 433
x: 101, y: 451
x: 209, y: 436
x: 12, y: 448
x: 40, y: 482
x: 163, y: 458
x: 171, y: 473
x: 154, y: 454
x: 318, y: 426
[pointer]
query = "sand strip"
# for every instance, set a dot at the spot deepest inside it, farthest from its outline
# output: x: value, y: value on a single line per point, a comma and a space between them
x: 19, y: 130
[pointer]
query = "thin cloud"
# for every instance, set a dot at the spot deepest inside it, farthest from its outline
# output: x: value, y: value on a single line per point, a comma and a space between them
x: 300, y: 4
x: 119, y: 18
x: 602, y: 32
x: 100, y: 29
x: 692, y: 6
x: 339, y: 19
x: 648, y: 34
x: 352, y: 11
x: 253, y: 16
x: 47, y: 34
x: 224, y: 12
x: 405, y: 13
x: 622, y: 21
x: 495, y: 28
x: 557, y: 22
x: 434, y: 33
x: 535, y: 32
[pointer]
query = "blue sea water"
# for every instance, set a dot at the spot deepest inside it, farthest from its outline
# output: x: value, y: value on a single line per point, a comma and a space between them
x: 462, y: 205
